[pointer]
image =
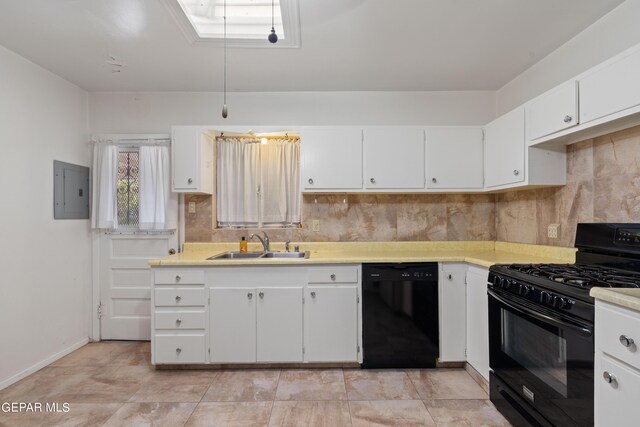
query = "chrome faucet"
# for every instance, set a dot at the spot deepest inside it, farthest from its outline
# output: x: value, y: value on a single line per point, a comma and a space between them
x: 287, y: 245
x: 265, y: 241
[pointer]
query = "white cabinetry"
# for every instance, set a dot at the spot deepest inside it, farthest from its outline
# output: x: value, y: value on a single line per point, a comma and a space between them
x: 233, y: 325
x: 192, y: 160
x: 451, y: 306
x: 394, y: 158
x: 478, y: 320
x: 554, y: 111
x: 331, y: 158
x: 617, y: 365
x: 279, y: 325
x: 611, y: 87
x: 454, y: 158
x: 504, y: 149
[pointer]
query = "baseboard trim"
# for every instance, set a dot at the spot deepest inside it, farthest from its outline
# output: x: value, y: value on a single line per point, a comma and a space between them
x: 477, y: 377
x: 49, y: 360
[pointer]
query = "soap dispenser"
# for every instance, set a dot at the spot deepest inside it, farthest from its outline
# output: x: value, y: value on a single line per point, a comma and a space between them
x: 243, y: 245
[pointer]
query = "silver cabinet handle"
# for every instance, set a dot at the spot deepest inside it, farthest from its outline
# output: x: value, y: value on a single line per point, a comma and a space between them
x: 373, y: 180
x: 178, y: 350
x: 608, y: 377
x: 449, y: 277
x: 516, y: 172
x: 333, y: 277
x: 190, y: 181
x: 250, y: 295
x: 310, y: 181
x: 434, y: 180
x: 178, y: 321
x: 178, y: 278
x: 172, y: 251
x: 261, y: 294
x: 626, y: 341
x: 313, y: 294
x: 178, y: 298
x: 567, y: 118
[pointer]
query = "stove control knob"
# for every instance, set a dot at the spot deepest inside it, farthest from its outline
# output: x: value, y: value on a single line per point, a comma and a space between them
x: 560, y: 302
x: 544, y: 297
x: 507, y: 283
x: 549, y: 298
x: 502, y: 283
x: 527, y: 290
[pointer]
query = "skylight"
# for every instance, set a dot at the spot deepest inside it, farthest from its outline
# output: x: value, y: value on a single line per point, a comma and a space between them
x: 248, y: 21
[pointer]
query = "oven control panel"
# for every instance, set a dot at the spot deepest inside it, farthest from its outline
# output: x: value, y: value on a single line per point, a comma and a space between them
x: 627, y: 236
x: 532, y: 293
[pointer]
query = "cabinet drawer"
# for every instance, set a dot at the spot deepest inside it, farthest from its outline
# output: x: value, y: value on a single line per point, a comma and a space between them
x: 180, y: 348
x: 333, y: 275
x: 180, y: 319
x: 612, y: 324
x: 615, y: 401
x: 179, y: 297
x: 179, y: 277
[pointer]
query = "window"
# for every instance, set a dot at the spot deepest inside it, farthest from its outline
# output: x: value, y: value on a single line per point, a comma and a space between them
x: 258, y: 183
x: 128, y: 188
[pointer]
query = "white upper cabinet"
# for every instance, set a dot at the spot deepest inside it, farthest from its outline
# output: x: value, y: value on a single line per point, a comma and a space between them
x: 331, y: 158
x: 504, y: 145
x: 454, y: 158
x: 554, y: 111
x: 610, y: 88
x: 394, y: 158
x: 192, y: 160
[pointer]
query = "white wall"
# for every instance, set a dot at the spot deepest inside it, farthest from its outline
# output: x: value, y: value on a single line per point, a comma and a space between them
x: 157, y: 112
x: 45, y: 274
x: 610, y: 35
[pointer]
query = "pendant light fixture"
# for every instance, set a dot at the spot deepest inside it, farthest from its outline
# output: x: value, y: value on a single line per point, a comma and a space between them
x: 224, y: 105
x: 273, y: 37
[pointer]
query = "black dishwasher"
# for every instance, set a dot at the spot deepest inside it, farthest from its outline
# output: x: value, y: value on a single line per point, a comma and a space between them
x: 400, y: 315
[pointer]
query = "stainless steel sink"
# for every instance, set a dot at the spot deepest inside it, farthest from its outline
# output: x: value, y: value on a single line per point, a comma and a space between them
x: 260, y: 255
x: 237, y: 255
x: 304, y: 255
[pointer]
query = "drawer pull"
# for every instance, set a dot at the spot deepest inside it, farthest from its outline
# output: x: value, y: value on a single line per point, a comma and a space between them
x: 449, y: 277
x: 178, y: 298
x: 261, y: 294
x: 178, y: 278
x: 313, y: 294
x: 178, y: 350
x: 333, y: 277
x: 250, y: 295
x: 609, y: 378
x: 626, y: 341
x: 178, y: 321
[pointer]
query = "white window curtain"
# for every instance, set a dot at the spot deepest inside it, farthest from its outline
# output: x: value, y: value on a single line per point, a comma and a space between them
x: 158, y: 206
x: 104, y: 212
x: 258, y: 184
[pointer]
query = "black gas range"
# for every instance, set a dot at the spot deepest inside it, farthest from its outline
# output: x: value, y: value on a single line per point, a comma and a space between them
x: 541, y: 325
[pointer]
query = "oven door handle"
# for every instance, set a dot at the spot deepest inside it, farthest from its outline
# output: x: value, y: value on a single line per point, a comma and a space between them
x: 543, y: 317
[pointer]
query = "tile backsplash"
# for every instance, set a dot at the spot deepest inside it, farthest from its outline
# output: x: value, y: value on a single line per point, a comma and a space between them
x: 603, y: 185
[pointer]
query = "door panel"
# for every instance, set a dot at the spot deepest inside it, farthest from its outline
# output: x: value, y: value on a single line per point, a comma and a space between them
x: 504, y: 147
x: 478, y: 323
x: 279, y: 316
x: 233, y: 325
x: 186, y: 163
x: 454, y: 158
x: 553, y: 112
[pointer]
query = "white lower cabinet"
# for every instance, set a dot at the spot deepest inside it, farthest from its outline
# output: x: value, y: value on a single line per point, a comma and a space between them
x: 452, y: 308
x: 331, y: 324
x: 617, y: 365
x: 173, y: 348
x: 478, y: 320
x: 232, y: 329
x: 279, y: 325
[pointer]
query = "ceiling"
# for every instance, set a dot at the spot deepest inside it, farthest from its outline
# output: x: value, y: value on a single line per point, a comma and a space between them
x: 345, y: 44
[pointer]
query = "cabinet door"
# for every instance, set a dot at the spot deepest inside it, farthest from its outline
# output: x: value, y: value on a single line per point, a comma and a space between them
x: 452, y: 312
x: 554, y: 111
x: 186, y: 159
x: 393, y: 158
x: 279, y: 325
x: 331, y: 324
x: 610, y: 89
x: 454, y: 158
x: 615, y: 402
x: 331, y: 158
x: 504, y: 146
x: 233, y: 325
x: 478, y: 322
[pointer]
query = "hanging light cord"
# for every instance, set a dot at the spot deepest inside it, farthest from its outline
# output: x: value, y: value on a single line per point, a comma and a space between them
x: 272, y: 13
x: 225, y: 53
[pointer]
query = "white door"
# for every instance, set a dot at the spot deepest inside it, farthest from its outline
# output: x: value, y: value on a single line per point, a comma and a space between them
x: 279, y: 324
x: 504, y: 144
x: 454, y: 158
x: 331, y: 324
x: 232, y: 328
x: 478, y: 321
x: 185, y: 157
x: 553, y: 111
x: 125, y: 283
x: 393, y: 158
x: 331, y: 158
x: 452, y: 312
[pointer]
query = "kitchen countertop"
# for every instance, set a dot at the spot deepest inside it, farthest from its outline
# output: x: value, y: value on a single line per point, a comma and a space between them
x: 625, y: 297
x: 482, y: 253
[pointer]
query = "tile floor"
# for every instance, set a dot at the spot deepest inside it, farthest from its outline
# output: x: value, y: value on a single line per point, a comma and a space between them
x: 114, y: 384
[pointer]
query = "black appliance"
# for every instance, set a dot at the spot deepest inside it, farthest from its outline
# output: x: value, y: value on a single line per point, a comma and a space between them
x: 541, y: 326
x: 400, y: 315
